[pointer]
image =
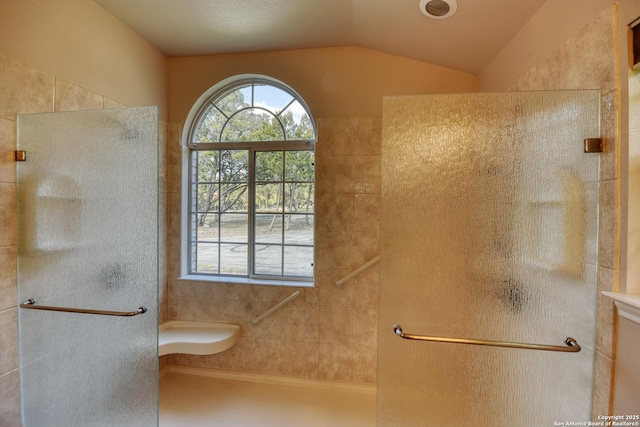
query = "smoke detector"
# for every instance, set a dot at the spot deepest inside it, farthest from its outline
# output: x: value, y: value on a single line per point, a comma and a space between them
x: 438, y: 9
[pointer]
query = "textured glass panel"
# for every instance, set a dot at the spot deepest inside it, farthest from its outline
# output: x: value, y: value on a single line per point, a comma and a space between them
x: 298, y: 261
x: 88, y: 239
x: 489, y: 213
x: 268, y: 259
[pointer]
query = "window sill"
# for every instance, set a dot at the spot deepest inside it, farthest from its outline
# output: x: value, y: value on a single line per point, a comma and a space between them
x: 245, y: 281
x: 628, y: 305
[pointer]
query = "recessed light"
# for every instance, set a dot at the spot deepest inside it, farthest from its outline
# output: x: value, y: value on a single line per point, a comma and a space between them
x: 438, y: 9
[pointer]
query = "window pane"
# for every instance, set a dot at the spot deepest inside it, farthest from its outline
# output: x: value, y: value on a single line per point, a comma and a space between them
x: 234, y: 198
x: 268, y: 228
x: 208, y: 166
x: 298, y: 261
x: 207, y: 197
x: 207, y: 227
x: 298, y: 198
x: 269, y: 166
x: 234, y: 100
x: 234, y: 166
x: 210, y: 125
x: 272, y: 98
x: 233, y: 259
x: 268, y: 198
x: 299, y: 166
x: 254, y: 124
x: 207, y: 258
x: 268, y: 260
x: 297, y: 123
x: 299, y: 230
x: 233, y: 228
x: 309, y: 205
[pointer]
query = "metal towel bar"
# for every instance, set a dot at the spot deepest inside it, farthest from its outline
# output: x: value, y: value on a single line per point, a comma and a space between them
x: 31, y: 304
x: 572, y: 344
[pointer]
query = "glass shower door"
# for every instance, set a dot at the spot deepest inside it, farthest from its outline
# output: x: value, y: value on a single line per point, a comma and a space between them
x: 489, y: 232
x: 88, y: 267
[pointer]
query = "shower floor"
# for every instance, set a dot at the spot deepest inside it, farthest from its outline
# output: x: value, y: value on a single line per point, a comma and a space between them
x: 192, y: 400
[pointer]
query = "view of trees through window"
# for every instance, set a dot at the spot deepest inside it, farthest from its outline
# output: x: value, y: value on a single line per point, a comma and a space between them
x: 252, y: 202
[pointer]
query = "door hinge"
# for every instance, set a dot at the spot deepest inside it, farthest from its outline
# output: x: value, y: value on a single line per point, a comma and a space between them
x: 593, y: 145
x: 20, y: 155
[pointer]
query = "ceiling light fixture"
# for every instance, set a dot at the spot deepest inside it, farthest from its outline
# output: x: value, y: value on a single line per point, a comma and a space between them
x: 438, y: 9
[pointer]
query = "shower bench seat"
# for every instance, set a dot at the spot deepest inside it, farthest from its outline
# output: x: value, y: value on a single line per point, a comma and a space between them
x: 196, y: 337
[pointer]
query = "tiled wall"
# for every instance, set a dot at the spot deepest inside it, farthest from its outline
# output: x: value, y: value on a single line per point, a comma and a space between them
x: 331, y: 332
x: 587, y: 61
x: 23, y: 89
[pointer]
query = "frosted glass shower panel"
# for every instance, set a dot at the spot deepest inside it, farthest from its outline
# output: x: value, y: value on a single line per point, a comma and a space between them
x: 488, y: 228
x: 88, y: 221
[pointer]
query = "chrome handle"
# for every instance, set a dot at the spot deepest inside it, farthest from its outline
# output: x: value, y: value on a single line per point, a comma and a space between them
x: 572, y: 344
x: 31, y: 304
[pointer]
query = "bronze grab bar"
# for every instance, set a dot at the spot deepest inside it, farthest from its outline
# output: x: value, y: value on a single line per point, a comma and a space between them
x: 31, y: 304
x: 572, y: 344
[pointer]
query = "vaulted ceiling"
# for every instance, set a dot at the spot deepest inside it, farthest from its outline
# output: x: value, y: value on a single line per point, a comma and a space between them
x: 466, y: 41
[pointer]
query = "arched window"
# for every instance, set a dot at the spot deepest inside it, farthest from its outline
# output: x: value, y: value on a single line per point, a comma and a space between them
x: 249, y: 204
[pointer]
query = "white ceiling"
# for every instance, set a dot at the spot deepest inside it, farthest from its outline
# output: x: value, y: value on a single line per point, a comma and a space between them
x: 467, y: 41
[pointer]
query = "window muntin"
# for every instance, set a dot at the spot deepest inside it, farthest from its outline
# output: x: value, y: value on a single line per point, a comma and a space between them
x: 254, y: 112
x: 251, y: 185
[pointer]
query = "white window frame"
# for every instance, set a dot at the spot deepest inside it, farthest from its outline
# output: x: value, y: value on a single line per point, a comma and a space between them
x: 191, y: 124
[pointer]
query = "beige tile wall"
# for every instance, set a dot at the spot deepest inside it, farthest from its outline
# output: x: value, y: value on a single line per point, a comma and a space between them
x: 331, y: 332
x: 588, y: 61
x: 23, y: 89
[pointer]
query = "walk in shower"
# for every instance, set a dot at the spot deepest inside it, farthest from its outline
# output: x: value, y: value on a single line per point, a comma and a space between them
x: 488, y: 234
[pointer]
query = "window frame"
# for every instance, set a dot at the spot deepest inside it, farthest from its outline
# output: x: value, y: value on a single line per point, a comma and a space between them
x: 188, y: 147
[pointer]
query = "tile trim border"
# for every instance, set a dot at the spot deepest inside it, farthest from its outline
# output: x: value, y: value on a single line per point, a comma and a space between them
x: 628, y: 305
